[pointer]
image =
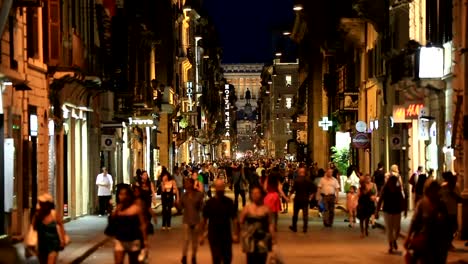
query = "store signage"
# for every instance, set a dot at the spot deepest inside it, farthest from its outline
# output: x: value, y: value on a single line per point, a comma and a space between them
x: 33, y: 125
x: 423, y: 127
x: 107, y: 142
x: 227, y: 108
x: 448, y: 63
x: 361, y: 126
x: 404, y: 114
x: 361, y: 141
x: 190, y: 96
x: 140, y: 122
x: 325, y: 123
x: 431, y: 62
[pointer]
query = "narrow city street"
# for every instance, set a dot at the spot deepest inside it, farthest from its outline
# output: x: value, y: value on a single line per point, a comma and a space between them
x: 339, y: 244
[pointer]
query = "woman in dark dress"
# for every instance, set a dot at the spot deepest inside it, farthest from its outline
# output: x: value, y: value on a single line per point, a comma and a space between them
x: 366, y: 204
x: 50, y: 230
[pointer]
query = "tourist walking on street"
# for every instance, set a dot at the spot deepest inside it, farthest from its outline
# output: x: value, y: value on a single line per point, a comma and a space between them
x: 220, y: 215
x: 192, y: 205
x: 128, y: 226
x: 258, y: 232
x: 417, y: 181
x: 50, y: 230
x: 179, y: 179
x: 329, y: 189
x: 429, y: 235
x: 351, y: 205
x: 169, y: 190
x: 379, y: 177
x: 391, y: 197
x: 197, y: 184
x: 274, y: 190
x: 104, y: 183
x: 304, y: 191
x: 366, y: 203
x: 450, y: 195
x: 239, y: 183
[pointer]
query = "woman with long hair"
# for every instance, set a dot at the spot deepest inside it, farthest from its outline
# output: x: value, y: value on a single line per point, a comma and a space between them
x: 274, y: 193
x: 429, y: 235
x: 50, y: 230
x: 129, y: 227
x: 148, y: 190
x: 168, y: 190
x: 258, y: 233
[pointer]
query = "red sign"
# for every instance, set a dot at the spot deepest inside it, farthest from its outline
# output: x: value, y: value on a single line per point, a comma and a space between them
x: 361, y: 141
x: 413, y: 110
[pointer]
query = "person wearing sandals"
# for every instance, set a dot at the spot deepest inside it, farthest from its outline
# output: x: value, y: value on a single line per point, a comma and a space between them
x: 258, y: 233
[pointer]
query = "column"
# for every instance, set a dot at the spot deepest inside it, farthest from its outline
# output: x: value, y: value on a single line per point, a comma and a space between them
x: 85, y: 177
x: 464, y: 84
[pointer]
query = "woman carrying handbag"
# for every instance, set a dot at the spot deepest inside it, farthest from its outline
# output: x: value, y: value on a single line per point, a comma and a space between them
x: 49, y: 229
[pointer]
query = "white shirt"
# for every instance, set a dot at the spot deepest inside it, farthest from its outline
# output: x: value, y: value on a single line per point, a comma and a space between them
x: 104, y: 184
x: 328, y: 185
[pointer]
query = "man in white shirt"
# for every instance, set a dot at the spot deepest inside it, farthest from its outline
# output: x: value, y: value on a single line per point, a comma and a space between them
x: 104, y: 183
x: 259, y: 170
x: 328, y: 190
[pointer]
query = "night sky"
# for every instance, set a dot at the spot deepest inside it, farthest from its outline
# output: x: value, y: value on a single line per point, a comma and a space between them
x: 246, y: 27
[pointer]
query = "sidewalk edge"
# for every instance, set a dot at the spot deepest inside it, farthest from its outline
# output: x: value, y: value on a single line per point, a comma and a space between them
x: 90, y: 251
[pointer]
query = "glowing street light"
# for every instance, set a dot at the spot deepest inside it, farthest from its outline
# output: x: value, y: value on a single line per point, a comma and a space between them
x: 298, y: 7
x: 286, y: 33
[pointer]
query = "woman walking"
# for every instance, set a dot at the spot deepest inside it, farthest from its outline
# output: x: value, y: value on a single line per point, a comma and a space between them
x: 429, y: 236
x: 366, y: 204
x: 128, y: 227
x: 258, y: 233
x: 50, y: 230
x: 169, y: 189
x: 274, y: 190
x: 393, y: 204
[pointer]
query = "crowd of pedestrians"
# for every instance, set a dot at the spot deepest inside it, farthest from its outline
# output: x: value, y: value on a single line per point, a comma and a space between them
x: 270, y: 186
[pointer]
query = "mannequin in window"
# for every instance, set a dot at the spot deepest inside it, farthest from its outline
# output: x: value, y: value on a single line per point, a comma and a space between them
x: 247, y: 97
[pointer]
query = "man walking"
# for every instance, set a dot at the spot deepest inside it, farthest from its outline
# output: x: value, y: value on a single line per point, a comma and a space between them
x: 379, y: 177
x: 304, y: 190
x: 329, y: 189
x: 104, y: 183
x: 192, y: 205
x: 220, y: 214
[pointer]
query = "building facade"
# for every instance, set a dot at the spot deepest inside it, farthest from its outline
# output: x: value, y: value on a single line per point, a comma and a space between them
x: 247, y: 83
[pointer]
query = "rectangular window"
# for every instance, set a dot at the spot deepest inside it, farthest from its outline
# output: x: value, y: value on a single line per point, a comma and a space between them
x: 288, y: 80
x: 32, y: 32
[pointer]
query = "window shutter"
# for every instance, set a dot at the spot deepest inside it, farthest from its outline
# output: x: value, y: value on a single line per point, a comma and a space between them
x: 54, y: 32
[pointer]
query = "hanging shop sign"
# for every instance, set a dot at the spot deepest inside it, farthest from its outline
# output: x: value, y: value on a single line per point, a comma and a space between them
x: 107, y: 142
x: 404, y: 114
x: 190, y: 96
x: 361, y: 126
x: 448, y: 61
x: 227, y: 107
x: 140, y: 122
x: 431, y: 62
x: 361, y: 141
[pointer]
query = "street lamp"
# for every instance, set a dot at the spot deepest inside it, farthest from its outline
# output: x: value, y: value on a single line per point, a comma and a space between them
x: 278, y: 54
x: 286, y: 33
x: 298, y: 7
